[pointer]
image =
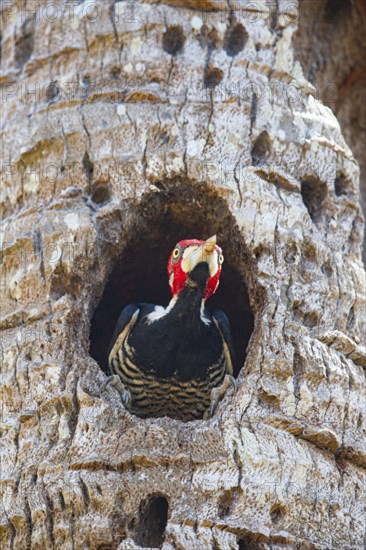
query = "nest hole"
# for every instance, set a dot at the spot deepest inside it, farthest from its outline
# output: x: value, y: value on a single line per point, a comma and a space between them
x: 140, y: 272
x: 153, y: 519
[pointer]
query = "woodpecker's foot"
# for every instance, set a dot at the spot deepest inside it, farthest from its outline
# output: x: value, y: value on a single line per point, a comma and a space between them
x: 218, y: 393
x: 116, y: 382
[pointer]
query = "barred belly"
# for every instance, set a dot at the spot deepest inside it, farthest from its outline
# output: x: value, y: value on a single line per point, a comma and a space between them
x: 156, y: 397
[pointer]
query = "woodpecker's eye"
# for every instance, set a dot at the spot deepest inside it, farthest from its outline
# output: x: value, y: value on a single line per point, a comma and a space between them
x: 176, y: 253
x: 221, y: 258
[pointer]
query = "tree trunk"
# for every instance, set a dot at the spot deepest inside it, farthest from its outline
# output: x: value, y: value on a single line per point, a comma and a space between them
x: 330, y: 44
x: 125, y: 128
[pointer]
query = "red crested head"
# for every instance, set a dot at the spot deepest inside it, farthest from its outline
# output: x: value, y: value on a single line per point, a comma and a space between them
x: 185, y: 257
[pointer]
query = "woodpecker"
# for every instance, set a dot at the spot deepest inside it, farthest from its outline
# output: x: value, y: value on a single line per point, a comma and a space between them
x: 176, y: 361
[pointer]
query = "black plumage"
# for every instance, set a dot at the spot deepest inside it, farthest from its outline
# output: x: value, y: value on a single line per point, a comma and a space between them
x: 170, y: 361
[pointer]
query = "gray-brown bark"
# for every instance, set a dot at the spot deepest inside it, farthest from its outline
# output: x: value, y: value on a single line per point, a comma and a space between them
x: 331, y: 46
x: 130, y: 139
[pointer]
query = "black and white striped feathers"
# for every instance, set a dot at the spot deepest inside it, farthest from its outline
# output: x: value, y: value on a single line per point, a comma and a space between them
x: 170, y: 360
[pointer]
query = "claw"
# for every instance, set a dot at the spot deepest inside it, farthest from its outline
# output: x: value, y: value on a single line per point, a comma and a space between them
x: 233, y: 382
x: 116, y: 382
x: 218, y: 393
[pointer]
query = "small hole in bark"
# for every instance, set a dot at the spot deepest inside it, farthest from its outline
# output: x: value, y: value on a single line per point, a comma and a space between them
x: 152, y: 524
x: 163, y: 218
x: 250, y: 541
x: 212, y: 77
x: 164, y: 138
x: 313, y: 192
x: 351, y: 319
x: 173, y: 40
x: 277, y: 513
x: 327, y: 269
x: 309, y: 319
x: 340, y: 185
x: 359, y: 420
x: 309, y: 251
x: 100, y: 194
x: 62, y: 501
x: 292, y: 253
x: 235, y: 39
x: 261, y: 149
x: 115, y: 73
x: 53, y: 90
x: 266, y: 398
x: 24, y: 43
x: 86, y: 81
x: 88, y: 167
x: 226, y: 502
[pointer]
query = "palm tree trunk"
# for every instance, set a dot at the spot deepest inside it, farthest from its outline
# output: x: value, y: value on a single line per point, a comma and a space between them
x: 127, y: 126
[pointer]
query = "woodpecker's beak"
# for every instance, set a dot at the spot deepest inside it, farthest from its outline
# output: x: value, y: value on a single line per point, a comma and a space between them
x: 203, y: 253
x: 209, y: 245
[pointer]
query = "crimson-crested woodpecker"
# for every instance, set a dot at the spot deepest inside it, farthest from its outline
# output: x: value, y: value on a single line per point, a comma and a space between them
x: 176, y: 361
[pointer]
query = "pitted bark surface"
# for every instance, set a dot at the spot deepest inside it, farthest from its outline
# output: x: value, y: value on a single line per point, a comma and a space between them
x: 99, y: 122
x: 331, y: 47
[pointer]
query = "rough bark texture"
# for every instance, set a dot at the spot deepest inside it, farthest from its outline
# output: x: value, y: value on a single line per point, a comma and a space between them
x: 137, y: 135
x: 331, y: 46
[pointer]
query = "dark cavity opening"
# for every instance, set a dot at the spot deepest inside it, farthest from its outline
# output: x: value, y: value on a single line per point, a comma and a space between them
x: 313, y: 193
x: 336, y: 9
x: 115, y: 73
x: 24, y: 43
x: 340, y: 185
x: 152, y: 524
x: 139, y: 274
x: 212, y: 77
x: 235, y: 39
x: 261, y: 149
x: 277, y: 513
x: 251, y: 541
x: 227, y: 501
x: 88, y: 167
x: 53, y: 91
x: 173, y: 40
x: 100, y: 194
